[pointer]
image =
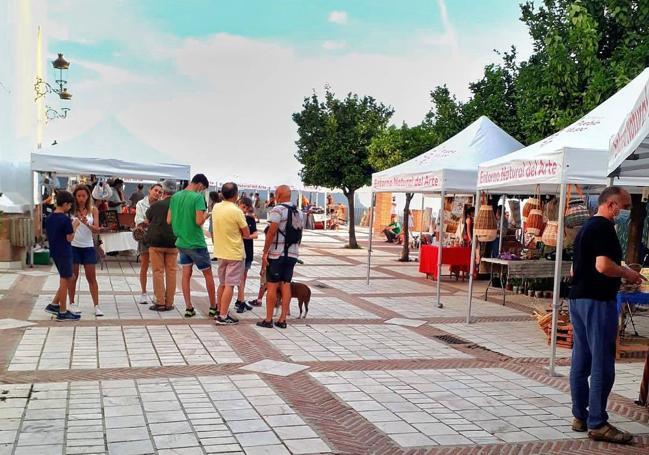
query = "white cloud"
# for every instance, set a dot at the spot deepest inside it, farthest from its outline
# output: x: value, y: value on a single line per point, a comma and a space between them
x: 338, y: 17
x: 332, y: 45
x: 448, y: 38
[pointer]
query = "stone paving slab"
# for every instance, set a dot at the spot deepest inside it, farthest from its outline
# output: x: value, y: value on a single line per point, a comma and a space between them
x: 323, y: 342
x: 628, y: 377
x: 7, y: 280
x: 321, y: 307
x: 177, y: 415
x: 454, y: 306
x: 514, y: 339
x: 60, y: 348
x: 457, y: 406
x: 340, y: 271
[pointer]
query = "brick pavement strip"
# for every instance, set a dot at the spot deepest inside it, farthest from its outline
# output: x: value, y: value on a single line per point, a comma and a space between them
x: 174, y: 406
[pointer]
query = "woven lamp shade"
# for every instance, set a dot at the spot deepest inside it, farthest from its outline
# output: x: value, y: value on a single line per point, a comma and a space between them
x: 534, y: 224
x: 531, y: 204
x: 550, y: 232
x: 486, y: 228
x: 552, y: 209
x: 515, y: 213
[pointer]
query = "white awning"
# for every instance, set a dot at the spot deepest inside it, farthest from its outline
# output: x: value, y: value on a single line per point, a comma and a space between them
x: 452, y: 165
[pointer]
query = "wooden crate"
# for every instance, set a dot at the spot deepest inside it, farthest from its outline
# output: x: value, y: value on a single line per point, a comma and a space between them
x: 564, y: 335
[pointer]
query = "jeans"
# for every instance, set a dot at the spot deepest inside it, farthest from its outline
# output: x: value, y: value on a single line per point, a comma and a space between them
x: 163, y: 263
x: 594, y: 330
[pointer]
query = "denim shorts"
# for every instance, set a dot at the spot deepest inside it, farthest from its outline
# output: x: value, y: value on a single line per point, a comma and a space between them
x: 63, y: 265
x: 84, y: 255
x: 199, y: 257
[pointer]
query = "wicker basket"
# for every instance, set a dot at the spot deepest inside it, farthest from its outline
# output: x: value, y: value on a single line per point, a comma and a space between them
x: 534, y: 223
x: 486, y: 228
x: 552, y: 209
x: 532, y: 203
x: 515, y: 213
x: 550, y: 232
x: 577, y: 212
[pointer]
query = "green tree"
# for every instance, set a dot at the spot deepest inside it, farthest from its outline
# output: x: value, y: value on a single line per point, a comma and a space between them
x: 395, y: 145
x: 446, y: 117
x: 334, y: 136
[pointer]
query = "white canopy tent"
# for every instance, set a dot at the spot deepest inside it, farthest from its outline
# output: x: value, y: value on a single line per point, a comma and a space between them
x: 578, y: 154
x: 451, y: 167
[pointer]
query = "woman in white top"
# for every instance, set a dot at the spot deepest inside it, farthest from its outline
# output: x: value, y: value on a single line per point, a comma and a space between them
x: 83, y: 247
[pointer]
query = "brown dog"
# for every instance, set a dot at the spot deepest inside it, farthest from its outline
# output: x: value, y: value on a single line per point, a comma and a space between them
x: 299, y: 291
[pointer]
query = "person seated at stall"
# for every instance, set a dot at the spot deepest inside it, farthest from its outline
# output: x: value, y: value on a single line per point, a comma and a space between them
x: 393, y: 229
x: 116, y: 200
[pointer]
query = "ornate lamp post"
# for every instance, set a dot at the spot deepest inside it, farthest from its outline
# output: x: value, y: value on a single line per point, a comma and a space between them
x: 42, y: 88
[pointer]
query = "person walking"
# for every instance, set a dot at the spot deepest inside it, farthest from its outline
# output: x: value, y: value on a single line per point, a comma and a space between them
x: 83, y: 245
x: 187, y: 214
x: 155, y: 192
x: 230, y: 228
x: 60, y: 232
x: 162, y: 250
x: 246, y: 206
x: 281, y: 253
x: 597, y: 273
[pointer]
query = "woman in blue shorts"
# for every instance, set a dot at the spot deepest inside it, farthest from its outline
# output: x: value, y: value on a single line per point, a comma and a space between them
x: 83, y: 246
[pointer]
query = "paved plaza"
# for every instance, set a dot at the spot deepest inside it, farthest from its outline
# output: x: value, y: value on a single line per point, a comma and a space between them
x: 373, y: 369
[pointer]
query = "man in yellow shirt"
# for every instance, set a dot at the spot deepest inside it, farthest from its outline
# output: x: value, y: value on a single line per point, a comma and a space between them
x: 229, y: 229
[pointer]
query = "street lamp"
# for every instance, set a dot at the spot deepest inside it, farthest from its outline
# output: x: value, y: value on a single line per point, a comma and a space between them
x: 42, y: 88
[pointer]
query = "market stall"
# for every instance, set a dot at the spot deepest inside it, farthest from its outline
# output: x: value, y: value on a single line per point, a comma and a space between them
x: 576, y: 155
x: 449, y: 168
x: 629, y: 160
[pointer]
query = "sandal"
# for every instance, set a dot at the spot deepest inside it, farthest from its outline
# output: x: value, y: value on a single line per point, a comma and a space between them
x: 579, y: 425
x: 608, y: 433
x: 190, y: 312
x: 159, y: 308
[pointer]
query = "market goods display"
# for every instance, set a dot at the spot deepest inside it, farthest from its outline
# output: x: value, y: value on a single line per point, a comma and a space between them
x: 577, y: 212
x: 533, y: 203
x: 550, y: 233
x: 534, y: 223
x: 486, y: 227
x: 552, y: 209
x: 514, y: 212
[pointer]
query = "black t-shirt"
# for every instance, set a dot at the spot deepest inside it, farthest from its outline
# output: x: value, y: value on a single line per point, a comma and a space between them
x: 247, y: 243
x: 159, y: 233
x: 596, y: 238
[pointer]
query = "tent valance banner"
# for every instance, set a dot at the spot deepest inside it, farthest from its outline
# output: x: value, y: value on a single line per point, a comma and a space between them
x: 452, y: 165
x: 632, y: 136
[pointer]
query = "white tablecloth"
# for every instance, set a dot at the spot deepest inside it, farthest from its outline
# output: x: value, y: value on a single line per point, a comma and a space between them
x: 118, y: 241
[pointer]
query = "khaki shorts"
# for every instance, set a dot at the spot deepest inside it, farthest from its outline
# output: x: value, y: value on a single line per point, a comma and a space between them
x: 231, y: 272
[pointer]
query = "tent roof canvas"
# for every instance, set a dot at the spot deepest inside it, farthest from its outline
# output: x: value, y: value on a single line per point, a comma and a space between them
x: 452, y: 165
x: 108, y: 148
x: 577, y: 154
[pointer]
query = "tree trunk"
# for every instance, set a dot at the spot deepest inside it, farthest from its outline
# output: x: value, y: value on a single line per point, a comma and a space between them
x: 352, y: 220
x: 638, y: 213
x: 405, y: 250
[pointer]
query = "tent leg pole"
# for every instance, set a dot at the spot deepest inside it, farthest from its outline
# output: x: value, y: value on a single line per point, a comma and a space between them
x: 502, y: 224
x: 421, y: 227
x: 439, y: 254
x: 474, y: 242
x: 558, y: 263
x: 369, y: 248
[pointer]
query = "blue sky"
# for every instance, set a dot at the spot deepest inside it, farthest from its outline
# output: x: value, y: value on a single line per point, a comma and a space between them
x: 214, y: 82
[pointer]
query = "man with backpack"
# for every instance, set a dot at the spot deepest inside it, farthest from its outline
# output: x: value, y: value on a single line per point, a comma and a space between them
x: 281, y: 252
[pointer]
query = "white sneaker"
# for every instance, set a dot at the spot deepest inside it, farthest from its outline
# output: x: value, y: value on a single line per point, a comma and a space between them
x: 145, y: 299
x: 98, y: 311
x: 74, y: 308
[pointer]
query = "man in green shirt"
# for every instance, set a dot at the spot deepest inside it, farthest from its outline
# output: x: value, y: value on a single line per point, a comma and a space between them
x: 393, y: 229
x: 187, y: 214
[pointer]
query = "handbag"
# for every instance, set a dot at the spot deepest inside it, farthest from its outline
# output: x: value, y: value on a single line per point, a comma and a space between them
x: 577, y: 212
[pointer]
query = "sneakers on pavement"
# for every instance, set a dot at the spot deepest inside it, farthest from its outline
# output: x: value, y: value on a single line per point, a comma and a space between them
x: 52, y: 309
x: 254, y: 302
x: 280, y: 324
x: 67, y: 316
x: 265, y: 324
x: 212, y: 313
x: 190, y: 313
x: 145, y: 299
x: 228, y: 320
x: 98, y: 311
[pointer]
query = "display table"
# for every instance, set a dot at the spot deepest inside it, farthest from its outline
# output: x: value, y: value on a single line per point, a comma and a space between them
x: 118, y: 241
x: 454, y: 256
x: 540, y: 268
x: 321, y: 221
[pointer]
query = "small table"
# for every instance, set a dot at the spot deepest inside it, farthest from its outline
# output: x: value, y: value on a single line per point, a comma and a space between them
x: 118, y: 241
x: 540, y: 268
x: 624, y: 302
x: 454, y: 256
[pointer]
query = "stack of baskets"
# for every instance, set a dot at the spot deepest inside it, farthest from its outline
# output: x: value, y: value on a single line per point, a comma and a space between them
x: 486, y: 228
x: 550, y: 233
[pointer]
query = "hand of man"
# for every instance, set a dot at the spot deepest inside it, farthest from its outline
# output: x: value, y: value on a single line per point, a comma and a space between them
x: 633, y: 277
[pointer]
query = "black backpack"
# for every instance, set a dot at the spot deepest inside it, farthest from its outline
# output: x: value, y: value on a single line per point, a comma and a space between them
x: 293, y: 231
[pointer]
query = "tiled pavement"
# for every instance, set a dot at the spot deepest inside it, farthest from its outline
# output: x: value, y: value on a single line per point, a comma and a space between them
x: 371, y: 370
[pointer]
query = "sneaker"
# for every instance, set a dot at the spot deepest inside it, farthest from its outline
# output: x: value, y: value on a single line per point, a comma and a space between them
x: 265, y: 324
x: 240, y: 306
x: 74, y: 308
x: 52, y: 309
x: 67, y: 316
x: 212, y: 312
x: 190, y: 313
x: 281, y: 325
x: 98, y: 311
x: 145, y: 299
x: 246, y: 306
x: 228, y: 320
x: 254, y: 302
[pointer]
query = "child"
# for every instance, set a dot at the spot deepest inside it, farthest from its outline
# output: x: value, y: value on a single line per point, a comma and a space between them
x: 246, y: 206
x: 60, y: 232
x: 262, y: 284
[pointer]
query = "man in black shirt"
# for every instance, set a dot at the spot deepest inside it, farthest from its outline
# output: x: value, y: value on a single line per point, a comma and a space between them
x: 596, y: 278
